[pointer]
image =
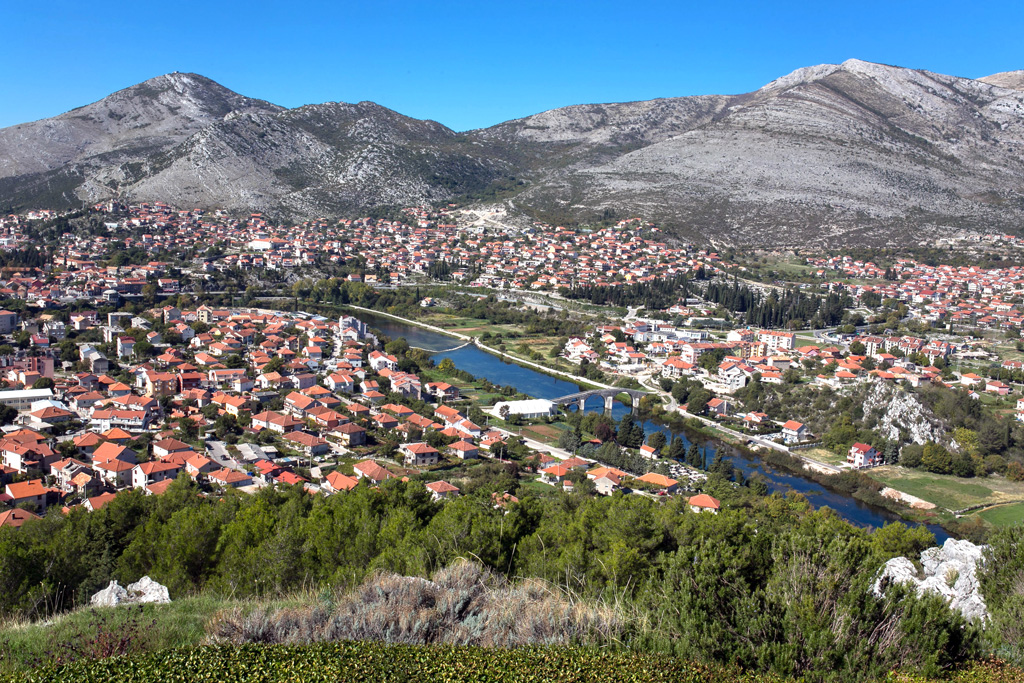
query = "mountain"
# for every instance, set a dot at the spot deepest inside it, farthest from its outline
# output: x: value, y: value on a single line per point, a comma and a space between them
x: 1014, y: 80
x: 95, y: 150
x: 854, y: 153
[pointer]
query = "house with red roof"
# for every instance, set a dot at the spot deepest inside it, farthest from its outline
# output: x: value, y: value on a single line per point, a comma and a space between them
x: 862, y: 455
x: 702, y: 502
x: 16, y: 517
x: 336, y: 482
x: 442, y: 490
x: 793, y: 431
x: 419, y: 454
x: 666, y: 484
x: 32, y: 492
x: 368, y: 469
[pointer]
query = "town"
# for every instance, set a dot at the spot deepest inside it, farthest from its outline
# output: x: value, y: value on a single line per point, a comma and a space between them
x: 130, y: 361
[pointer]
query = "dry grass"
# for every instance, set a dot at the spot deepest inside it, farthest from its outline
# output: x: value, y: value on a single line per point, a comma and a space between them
x: 465, y: 604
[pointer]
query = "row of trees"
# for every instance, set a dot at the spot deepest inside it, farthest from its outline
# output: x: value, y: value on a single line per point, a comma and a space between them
x: 793, y: 308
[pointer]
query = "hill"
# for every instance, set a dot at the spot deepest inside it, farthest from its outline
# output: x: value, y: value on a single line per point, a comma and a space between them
x: 855, y: 153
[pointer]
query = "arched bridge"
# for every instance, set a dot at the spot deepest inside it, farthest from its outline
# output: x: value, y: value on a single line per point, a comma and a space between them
x: 580, y: 398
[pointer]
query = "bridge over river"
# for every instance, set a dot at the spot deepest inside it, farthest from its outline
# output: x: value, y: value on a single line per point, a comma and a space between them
x: 580, y: 398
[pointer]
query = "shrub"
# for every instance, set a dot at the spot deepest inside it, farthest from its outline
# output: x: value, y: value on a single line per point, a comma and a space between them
x: 329, y: 662
x: 465, y: 604
x: 107, y: 634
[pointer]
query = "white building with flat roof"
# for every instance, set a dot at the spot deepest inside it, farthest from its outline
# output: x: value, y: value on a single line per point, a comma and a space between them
x: 530, y: 408
x: 24, y: 398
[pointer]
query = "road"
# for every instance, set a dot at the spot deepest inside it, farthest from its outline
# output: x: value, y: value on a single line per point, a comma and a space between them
x: 766, y: 443
x: 217, y: 451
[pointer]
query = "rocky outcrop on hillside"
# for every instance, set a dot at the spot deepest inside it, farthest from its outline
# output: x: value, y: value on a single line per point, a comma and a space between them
x: 145, y: 590
x: 835, y: 154
x: 949, y: 571
x: 900, y: 415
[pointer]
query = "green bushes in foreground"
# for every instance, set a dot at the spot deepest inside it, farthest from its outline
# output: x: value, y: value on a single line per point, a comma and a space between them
x: 353, y: 662
x: 348, y: 661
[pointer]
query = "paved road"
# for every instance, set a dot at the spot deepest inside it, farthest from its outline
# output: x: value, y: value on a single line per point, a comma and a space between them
x: 218, y: 452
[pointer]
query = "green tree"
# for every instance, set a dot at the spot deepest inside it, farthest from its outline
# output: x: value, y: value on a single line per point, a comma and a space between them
x: 676, y: 449
x: 7, y: 414
x: 936, y: 459
x: 911, y: 455
x: 569, y: 440
x: 657, y: 441
x: 697, y: 401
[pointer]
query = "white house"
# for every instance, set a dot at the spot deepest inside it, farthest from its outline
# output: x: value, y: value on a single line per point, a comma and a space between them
x: 862, y: 455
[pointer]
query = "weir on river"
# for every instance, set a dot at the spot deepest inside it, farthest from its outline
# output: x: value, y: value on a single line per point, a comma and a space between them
x: 454, y: 348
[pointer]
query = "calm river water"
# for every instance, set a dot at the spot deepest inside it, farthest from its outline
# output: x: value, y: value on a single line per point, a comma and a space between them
x: 482, y: 364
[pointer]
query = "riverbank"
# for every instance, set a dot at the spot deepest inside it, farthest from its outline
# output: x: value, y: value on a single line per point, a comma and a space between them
x: 842, y: 482
x: 504, y: 370
x: 502, y: 355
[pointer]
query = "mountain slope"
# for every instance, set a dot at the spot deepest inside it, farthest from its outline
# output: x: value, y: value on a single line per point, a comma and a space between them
x: 855, y: 153
x: 126, y: 127
x: 850, y: 153
x: 317, y: 159
x: 1014, y: 80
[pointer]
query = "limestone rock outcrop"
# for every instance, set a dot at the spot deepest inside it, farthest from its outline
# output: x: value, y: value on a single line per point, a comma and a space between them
x: 949, y: 571
x: 145, y: 590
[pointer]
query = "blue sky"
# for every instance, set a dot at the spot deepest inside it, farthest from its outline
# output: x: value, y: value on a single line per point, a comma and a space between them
x: 474, y: 64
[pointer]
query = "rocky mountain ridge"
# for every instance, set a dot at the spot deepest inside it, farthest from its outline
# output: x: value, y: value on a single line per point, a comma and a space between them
x: 851, y: 153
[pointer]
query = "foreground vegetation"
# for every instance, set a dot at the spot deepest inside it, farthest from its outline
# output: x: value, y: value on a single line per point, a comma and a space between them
x: 377, y: 662
x: 768, y: 584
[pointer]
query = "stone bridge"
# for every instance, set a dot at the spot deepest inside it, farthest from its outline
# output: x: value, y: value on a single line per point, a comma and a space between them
x: 580, y: 398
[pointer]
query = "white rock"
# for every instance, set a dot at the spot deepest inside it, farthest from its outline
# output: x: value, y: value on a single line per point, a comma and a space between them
x: 949, y: 571
x: 147, y: 590
x: 114, y: 594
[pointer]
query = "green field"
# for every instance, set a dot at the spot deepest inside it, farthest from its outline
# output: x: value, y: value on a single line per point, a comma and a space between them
x: 1004, y: 515
x: 823, y: 455
x: 952, y: 493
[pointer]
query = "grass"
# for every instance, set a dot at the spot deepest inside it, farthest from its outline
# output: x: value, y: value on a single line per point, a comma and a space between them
x: 952, y: 493
x: 537, y: 488
x: 823, y: 455
x: 463, y: 604
x: 182, y: 623
x: 1003, y: 515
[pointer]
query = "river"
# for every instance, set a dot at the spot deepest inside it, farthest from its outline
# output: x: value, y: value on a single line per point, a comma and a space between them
x: 485, y: 365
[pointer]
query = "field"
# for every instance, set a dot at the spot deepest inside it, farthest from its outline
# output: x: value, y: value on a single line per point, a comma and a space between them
x: 952, y: 493
x: 1004, y: 515
x: 543, y: 433
x: 179, y: 624
x: 823, y: 455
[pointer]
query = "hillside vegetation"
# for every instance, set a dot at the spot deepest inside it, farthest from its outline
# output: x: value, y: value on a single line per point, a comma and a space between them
x: 767, y: 585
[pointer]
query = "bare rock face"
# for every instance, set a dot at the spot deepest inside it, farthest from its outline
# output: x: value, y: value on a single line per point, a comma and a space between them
x: 145, y: 590
x: 949, y: 571
x: 899, y: 411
